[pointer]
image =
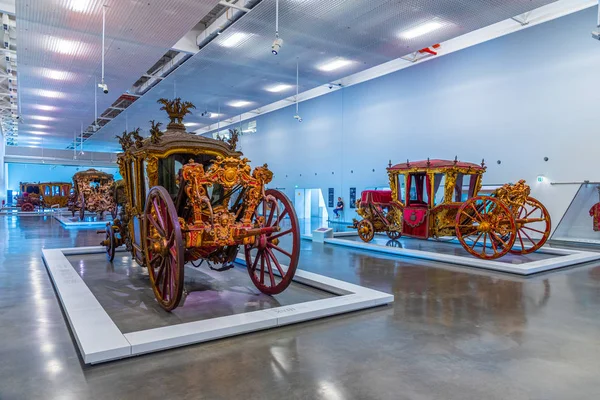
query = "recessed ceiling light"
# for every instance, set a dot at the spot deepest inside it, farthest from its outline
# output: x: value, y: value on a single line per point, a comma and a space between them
x: 191, y: 124
x: 44, y: 107
x: 215, y: 115
x: 37, y: 132
x: 235, y: 39
x: 49, y: 93
x: 278, y: 88
x: 421, y: 30
x: 79, y: 5
x: 38, y: 126
x: 239, y: 103
x: 41, y: 118
x: 62, y: 46
x: 55, y: 74
x: 335, y: 64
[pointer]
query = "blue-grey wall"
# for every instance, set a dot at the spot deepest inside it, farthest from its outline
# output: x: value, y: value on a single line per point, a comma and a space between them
x: 46, y: 173
x: 518, y: 99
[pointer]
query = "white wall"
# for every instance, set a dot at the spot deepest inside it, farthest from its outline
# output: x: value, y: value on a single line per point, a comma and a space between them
x: 518, y: 99
x: 2, y: 169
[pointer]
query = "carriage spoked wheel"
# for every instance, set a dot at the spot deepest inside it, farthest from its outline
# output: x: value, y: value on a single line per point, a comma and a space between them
x: 365, y: 230
x: 267, y: 257
x: 163, y: 248
x: 81, y: 207
x: 394, y: 235
x: 109, y: 242
x: 533, y: 226
x: 485, y: 227
x: 27, y: 207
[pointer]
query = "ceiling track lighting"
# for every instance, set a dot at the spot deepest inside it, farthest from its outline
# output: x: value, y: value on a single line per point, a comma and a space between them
x: 103, y: 85
x: 278, y: 43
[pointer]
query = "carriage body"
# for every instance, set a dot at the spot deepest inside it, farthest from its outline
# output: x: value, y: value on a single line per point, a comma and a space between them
x: 92, y: 191
x: 439, y: 198
x: 42, y: 194
x: 193, y: 199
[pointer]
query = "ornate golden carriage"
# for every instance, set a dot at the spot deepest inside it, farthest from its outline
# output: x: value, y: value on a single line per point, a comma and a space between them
x: 42, y: 194
x: 191, y: 198
x: 93, y: 191
x: 439, y: 198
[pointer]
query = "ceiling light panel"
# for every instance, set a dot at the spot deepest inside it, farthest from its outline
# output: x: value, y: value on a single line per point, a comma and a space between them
x: 55, y: 74
x: 422, y: 29
x: 278, y: 88
x: 41, y: 117
x: 334, y: 65
x: 79, y: 5
x: 64, y: 46
x: 43, y: 107
x: 234, y: 39
x: 239, y: 103
x: 48, y: 93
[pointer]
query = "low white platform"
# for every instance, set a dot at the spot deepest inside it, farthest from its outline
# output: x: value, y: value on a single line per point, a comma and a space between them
x: 17, y: 212
x: 335, y: 235
x: 99, y: 339
x: 69, y: 221
x: 564, y: 257
x: 575, y: 240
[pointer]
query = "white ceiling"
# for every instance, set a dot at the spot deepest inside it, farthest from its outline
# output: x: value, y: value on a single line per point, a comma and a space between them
x: 314, y: 31
x: 138, y: 33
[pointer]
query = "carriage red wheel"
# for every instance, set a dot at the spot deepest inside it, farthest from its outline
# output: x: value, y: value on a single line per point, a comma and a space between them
x: 163, y: 248
x: 485, y: 227
x: 28, y: 207
x: 110, y: 243
x: 81, y: 206
x: 533, y: 226
x: 267, y: 257
x: 393, y: 234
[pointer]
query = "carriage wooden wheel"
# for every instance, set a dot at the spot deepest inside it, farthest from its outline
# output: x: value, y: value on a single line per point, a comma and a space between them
x: 394, y: 235
x: 365, y: 230
x: 81, y: 206
x: 110, y: 242
x: 270, y: 252
x: 485, y: 227
x: 163, y: 248
x: 533, y: 226
x: 28, y: 207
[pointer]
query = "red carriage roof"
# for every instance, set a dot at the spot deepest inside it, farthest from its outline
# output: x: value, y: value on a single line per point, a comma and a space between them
x: 376, y: 196
x: 429, y: 164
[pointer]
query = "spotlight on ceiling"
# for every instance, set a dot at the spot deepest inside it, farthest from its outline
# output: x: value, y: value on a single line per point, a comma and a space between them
x: 298, y: 118
x: 276, y: 46
x: 206, y: 114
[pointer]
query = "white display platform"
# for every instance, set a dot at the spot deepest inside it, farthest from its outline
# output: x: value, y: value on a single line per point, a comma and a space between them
x: 69, y: 221
x: 99, y: 339
x: 575, y: 240
x: 20, y: 213
x: 319, y: 235
x: 335, y: 235
x: 565, y: 257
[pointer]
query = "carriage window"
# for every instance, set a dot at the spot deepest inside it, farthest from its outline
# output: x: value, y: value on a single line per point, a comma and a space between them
x: 46, y: 190
x: 55, y: 190
x: 418, y: 190
x: 401, y: 187
x: 147, y: 185
x: 439, y: 182
x: 133, y: 185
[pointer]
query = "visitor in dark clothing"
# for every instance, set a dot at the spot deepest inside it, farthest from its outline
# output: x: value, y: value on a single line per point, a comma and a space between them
x: 339, y: 208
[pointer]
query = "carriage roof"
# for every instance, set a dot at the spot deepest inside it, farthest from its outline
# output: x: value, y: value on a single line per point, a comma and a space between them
x: 92, y: 174
x: 44, y: 183
x: 438, y: 165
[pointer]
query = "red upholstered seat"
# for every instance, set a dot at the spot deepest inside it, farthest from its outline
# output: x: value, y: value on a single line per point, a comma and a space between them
x: 381, y: 197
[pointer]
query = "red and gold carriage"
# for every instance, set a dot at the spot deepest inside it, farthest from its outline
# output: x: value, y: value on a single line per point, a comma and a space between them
x: 195, y: 199
x: 439, y: 198
x: 93, y: 191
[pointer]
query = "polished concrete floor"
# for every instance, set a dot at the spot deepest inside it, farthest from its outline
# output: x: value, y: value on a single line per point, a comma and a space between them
x: 452, y: 333
x: 123, y: 289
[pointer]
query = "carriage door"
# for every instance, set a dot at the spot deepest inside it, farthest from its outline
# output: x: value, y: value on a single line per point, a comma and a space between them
x: 415, y: 217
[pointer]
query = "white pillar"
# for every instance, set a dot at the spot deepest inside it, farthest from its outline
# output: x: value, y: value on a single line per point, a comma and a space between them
x: 2, y: 169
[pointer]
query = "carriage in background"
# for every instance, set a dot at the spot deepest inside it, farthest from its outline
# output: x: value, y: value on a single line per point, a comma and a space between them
x: 93, y: 191
x: 195, y: 199
x: 439, y: 198
x: 42, y: 194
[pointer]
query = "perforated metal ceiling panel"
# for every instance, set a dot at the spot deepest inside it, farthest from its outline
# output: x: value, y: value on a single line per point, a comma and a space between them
x: 238, y: 64
x: 62, y: 39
